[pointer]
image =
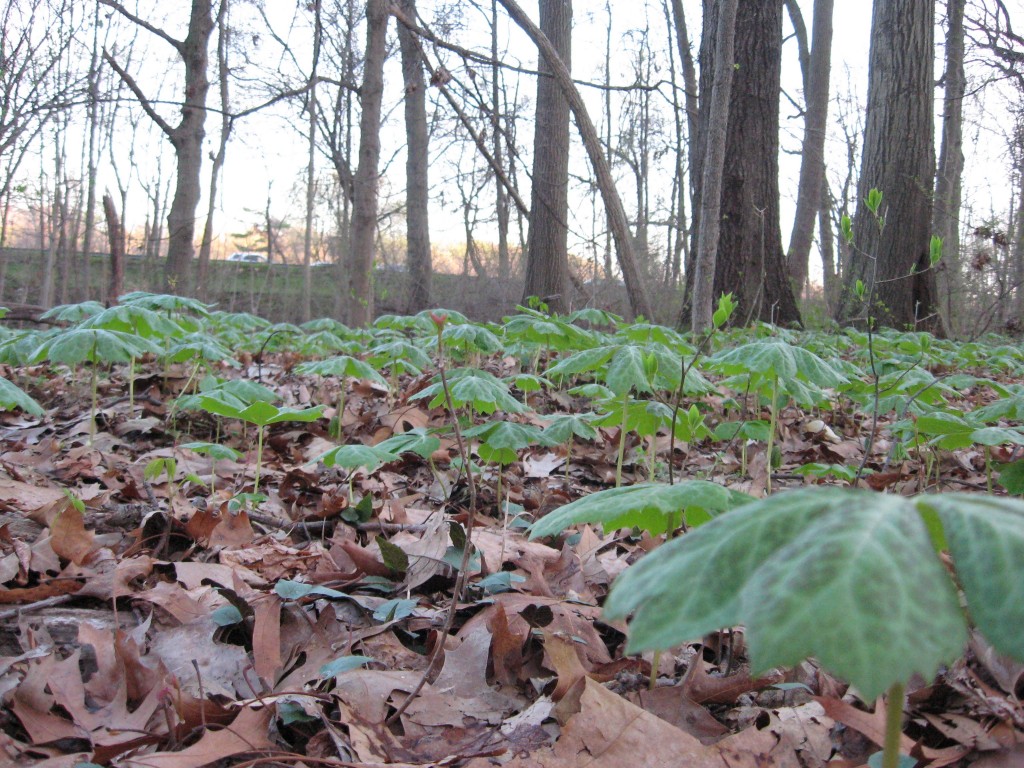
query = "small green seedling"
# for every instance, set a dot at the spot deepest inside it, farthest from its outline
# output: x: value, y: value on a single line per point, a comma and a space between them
x: 261, y: 414
x: 216, y: 452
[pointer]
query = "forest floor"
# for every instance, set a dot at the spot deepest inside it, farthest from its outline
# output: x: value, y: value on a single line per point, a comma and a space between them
x: 153, y: 614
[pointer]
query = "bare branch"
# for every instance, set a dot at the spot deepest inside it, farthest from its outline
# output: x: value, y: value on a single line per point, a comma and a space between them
x: 178, y: 44
x: 134, y: 88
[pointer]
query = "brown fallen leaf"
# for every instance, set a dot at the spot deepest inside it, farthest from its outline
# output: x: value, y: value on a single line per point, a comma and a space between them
x: 247, y: 733
x: 603, y: 730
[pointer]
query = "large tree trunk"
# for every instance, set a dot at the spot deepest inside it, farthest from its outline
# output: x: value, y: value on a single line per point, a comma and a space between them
x: 946, y: 208
x: 812, y: 160
x: 206, y: 243
x: 635, y: 288
x: 717, y: 72
x: 750, y: 261
x: 898, y: 159
x: 547, y: 260
x: 364, y: 183
x: 417, y: 189
x: 186, y: 137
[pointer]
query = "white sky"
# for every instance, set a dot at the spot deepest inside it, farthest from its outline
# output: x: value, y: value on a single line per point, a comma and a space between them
x: 268, y: 151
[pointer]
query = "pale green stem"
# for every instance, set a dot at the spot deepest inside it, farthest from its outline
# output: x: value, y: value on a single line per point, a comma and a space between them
x: 893, y: 726
x: 94, y: 388
x: 622, y: 441
x: 259, y: 458
x: 988, y: 468
x: 341, y: 411
x: 568, y: 455
x: 771, y: 432
x: 655, y: 663
x: 131, y: 384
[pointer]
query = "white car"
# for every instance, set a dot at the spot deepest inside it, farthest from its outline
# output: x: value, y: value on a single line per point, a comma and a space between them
x: 248, y: 257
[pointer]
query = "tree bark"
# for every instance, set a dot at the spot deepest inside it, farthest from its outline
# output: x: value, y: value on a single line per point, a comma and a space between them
x: 547, y: 259
x: 812, y: 159
x: 714, y: 144
x: 417, y: 191
x: 186, y: 137
x: 946, y: 208
x: 898, y: 159
x: 115, y: 238
x: 364, y: 183
x: 750, y: 262
x: 635, y: 288
x: 206, y: 243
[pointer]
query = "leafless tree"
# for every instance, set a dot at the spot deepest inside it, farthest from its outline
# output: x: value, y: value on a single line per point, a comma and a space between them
x: 418, y: 257
x: 816, y: 66
x: 364, y: 184
x: 187, y: 136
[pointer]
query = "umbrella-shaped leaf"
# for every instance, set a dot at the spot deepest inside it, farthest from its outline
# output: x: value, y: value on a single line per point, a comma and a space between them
x: 11, y: 397
x: 342, y: 365
x: 93, y: 345
x: 653, y: 507
x: 847, y: 576
x: 501, y: 441
x: 72, y: 313
x: 986, y: 540
x: 356, y: 455
x: 564, y: 426
x: 167, y: 302
x: 414, y: 441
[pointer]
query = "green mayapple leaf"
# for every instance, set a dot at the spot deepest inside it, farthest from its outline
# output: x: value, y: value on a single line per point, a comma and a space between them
x: 986, y: 540
x: 847, y: 576
x: 652, y: 507
x: 12, y: 397
x: 861, y: 590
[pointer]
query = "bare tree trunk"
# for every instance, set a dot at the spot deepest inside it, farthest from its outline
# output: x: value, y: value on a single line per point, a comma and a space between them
x: 501, y: 201
x: 115, y: 238
x: 946, y: 207
x: 812, y: 158
x: 689, y: 83
x: 418, y: 256
x: 635, y: 288
x: 899, y: 160
x: 186, y: 137
x: 311, y: 107
x: 206, y: 245
x: 94, y: 119
x: 547, y: 259
x: 364, y: 186
x: 715, y: 134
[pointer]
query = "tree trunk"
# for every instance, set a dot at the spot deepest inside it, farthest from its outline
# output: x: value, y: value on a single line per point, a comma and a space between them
x: 417, y: 191
x: 206, y: 244
x: 187, y: 140
x: 635, y: 287
x: 812, y: 159
x: 946, y: 208
x: 718, y: 72
x: 364, y: 184
x: 501, y: 197
x: 115, y: 238
x: 689, y: 84
x: 547, y: 259
x: 186, y: 137
x: 898, y: 159
x: 749, y: 262
x: 311, y: 108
